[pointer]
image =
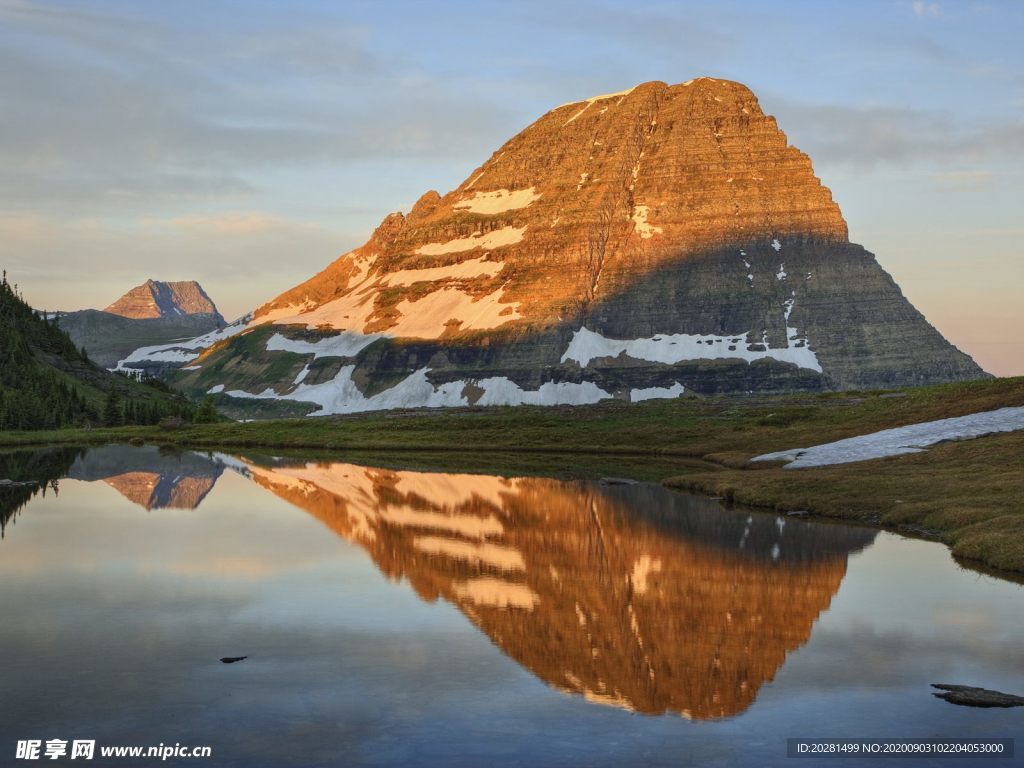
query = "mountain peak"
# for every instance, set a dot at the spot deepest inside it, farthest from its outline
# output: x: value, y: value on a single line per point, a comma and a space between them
x: 639, y: 244
x: 578, y: 204
x: 155, y: 299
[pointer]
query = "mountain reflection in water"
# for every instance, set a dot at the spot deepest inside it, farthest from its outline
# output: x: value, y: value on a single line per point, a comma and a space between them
x: 631, y: 596
x: 149, y: 477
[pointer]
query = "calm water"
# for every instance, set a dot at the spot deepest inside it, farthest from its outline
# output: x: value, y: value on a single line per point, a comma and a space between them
x: 398, y: 617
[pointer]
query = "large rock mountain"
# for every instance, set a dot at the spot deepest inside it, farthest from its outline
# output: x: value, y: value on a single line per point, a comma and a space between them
x: 157, y: 299
x: 634, y: 245
x: 152, y: 314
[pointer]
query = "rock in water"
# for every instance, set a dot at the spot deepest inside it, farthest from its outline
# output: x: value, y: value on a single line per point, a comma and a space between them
x: 967, y: 696
x: 233, y: 659
x: 637, y: 245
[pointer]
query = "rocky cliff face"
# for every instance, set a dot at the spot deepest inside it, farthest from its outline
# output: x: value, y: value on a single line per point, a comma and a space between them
x: 634, y: 245
x: 156, y: 299
x: 149, y: 315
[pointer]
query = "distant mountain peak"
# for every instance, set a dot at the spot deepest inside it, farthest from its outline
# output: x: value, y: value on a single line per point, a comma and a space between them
x: 155, y: 299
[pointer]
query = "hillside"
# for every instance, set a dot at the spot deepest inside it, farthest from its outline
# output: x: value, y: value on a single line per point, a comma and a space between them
x: 109, y: 338
x: 46, y: 382
x: 153, y: 313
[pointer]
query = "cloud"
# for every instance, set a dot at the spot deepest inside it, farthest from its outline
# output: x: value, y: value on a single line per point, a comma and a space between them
x: 241, y: 258
x: 922, y: 8
x: 971, y: 179
x: 895, y: 136
x: 238, y: 224
x: 105, y: 113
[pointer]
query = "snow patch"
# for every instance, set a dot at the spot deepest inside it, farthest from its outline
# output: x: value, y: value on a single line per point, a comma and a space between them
x: 430, y: 316
x: 591, y: 100
x: 466, y: 525
x: 340, y: 395
x: 486, y: 554
x: 499, y: 390
x: 498, y: 201
x: 497, y: 238
x: 345, y: 344
x: 913, y: 438
x: 353, y: 310
x: 163, y: 353
x: 644, y: 229
x: 182, y: 351
x: 656, y: 393
x: 464, y: 270
x: 587, y: 345
x: 776, y: 245
x: 642, y: 569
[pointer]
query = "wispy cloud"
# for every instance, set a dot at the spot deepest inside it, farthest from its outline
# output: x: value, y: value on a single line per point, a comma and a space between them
x: 970, y: 179
x: 106, y: 113
x: 242, y: 258
x: 922, y: 8
x: 896, y: 136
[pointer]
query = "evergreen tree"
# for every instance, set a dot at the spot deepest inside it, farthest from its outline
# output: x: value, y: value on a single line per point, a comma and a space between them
x: 207, y: 413
x: 112, y: 415
x: 41, y: 381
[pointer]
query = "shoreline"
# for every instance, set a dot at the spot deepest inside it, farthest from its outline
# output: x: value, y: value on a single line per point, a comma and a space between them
x: 965, y: 494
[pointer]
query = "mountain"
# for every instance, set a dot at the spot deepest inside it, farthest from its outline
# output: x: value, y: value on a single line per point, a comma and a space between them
x: 659, y: 241
x: 47, y: 383
x: 150, y: 314
x: 156, y: 299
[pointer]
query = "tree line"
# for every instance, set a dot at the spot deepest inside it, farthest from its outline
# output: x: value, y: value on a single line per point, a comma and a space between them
x: 36, y: 394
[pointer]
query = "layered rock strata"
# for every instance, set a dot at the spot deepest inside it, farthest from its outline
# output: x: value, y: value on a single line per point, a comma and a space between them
x: 643, y: 244
x: 158, y: 299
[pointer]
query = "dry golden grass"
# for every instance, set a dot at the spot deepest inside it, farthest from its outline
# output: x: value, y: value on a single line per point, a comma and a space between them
x: 970, y: 494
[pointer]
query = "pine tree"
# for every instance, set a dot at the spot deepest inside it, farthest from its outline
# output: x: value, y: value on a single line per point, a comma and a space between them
x: 207, y: 413
x: 112, y: 409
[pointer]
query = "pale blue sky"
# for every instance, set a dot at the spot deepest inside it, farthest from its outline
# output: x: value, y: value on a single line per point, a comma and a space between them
x: 246, y: 144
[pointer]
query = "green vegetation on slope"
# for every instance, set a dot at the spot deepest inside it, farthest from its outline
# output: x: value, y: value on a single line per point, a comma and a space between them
x: 48, y: 383
x: 726, y: 430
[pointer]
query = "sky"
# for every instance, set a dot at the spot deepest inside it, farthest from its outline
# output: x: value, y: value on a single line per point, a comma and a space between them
x: 248, y: 144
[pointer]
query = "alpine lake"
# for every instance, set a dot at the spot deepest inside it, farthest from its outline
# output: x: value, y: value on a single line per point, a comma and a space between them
x: 403, y: 615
